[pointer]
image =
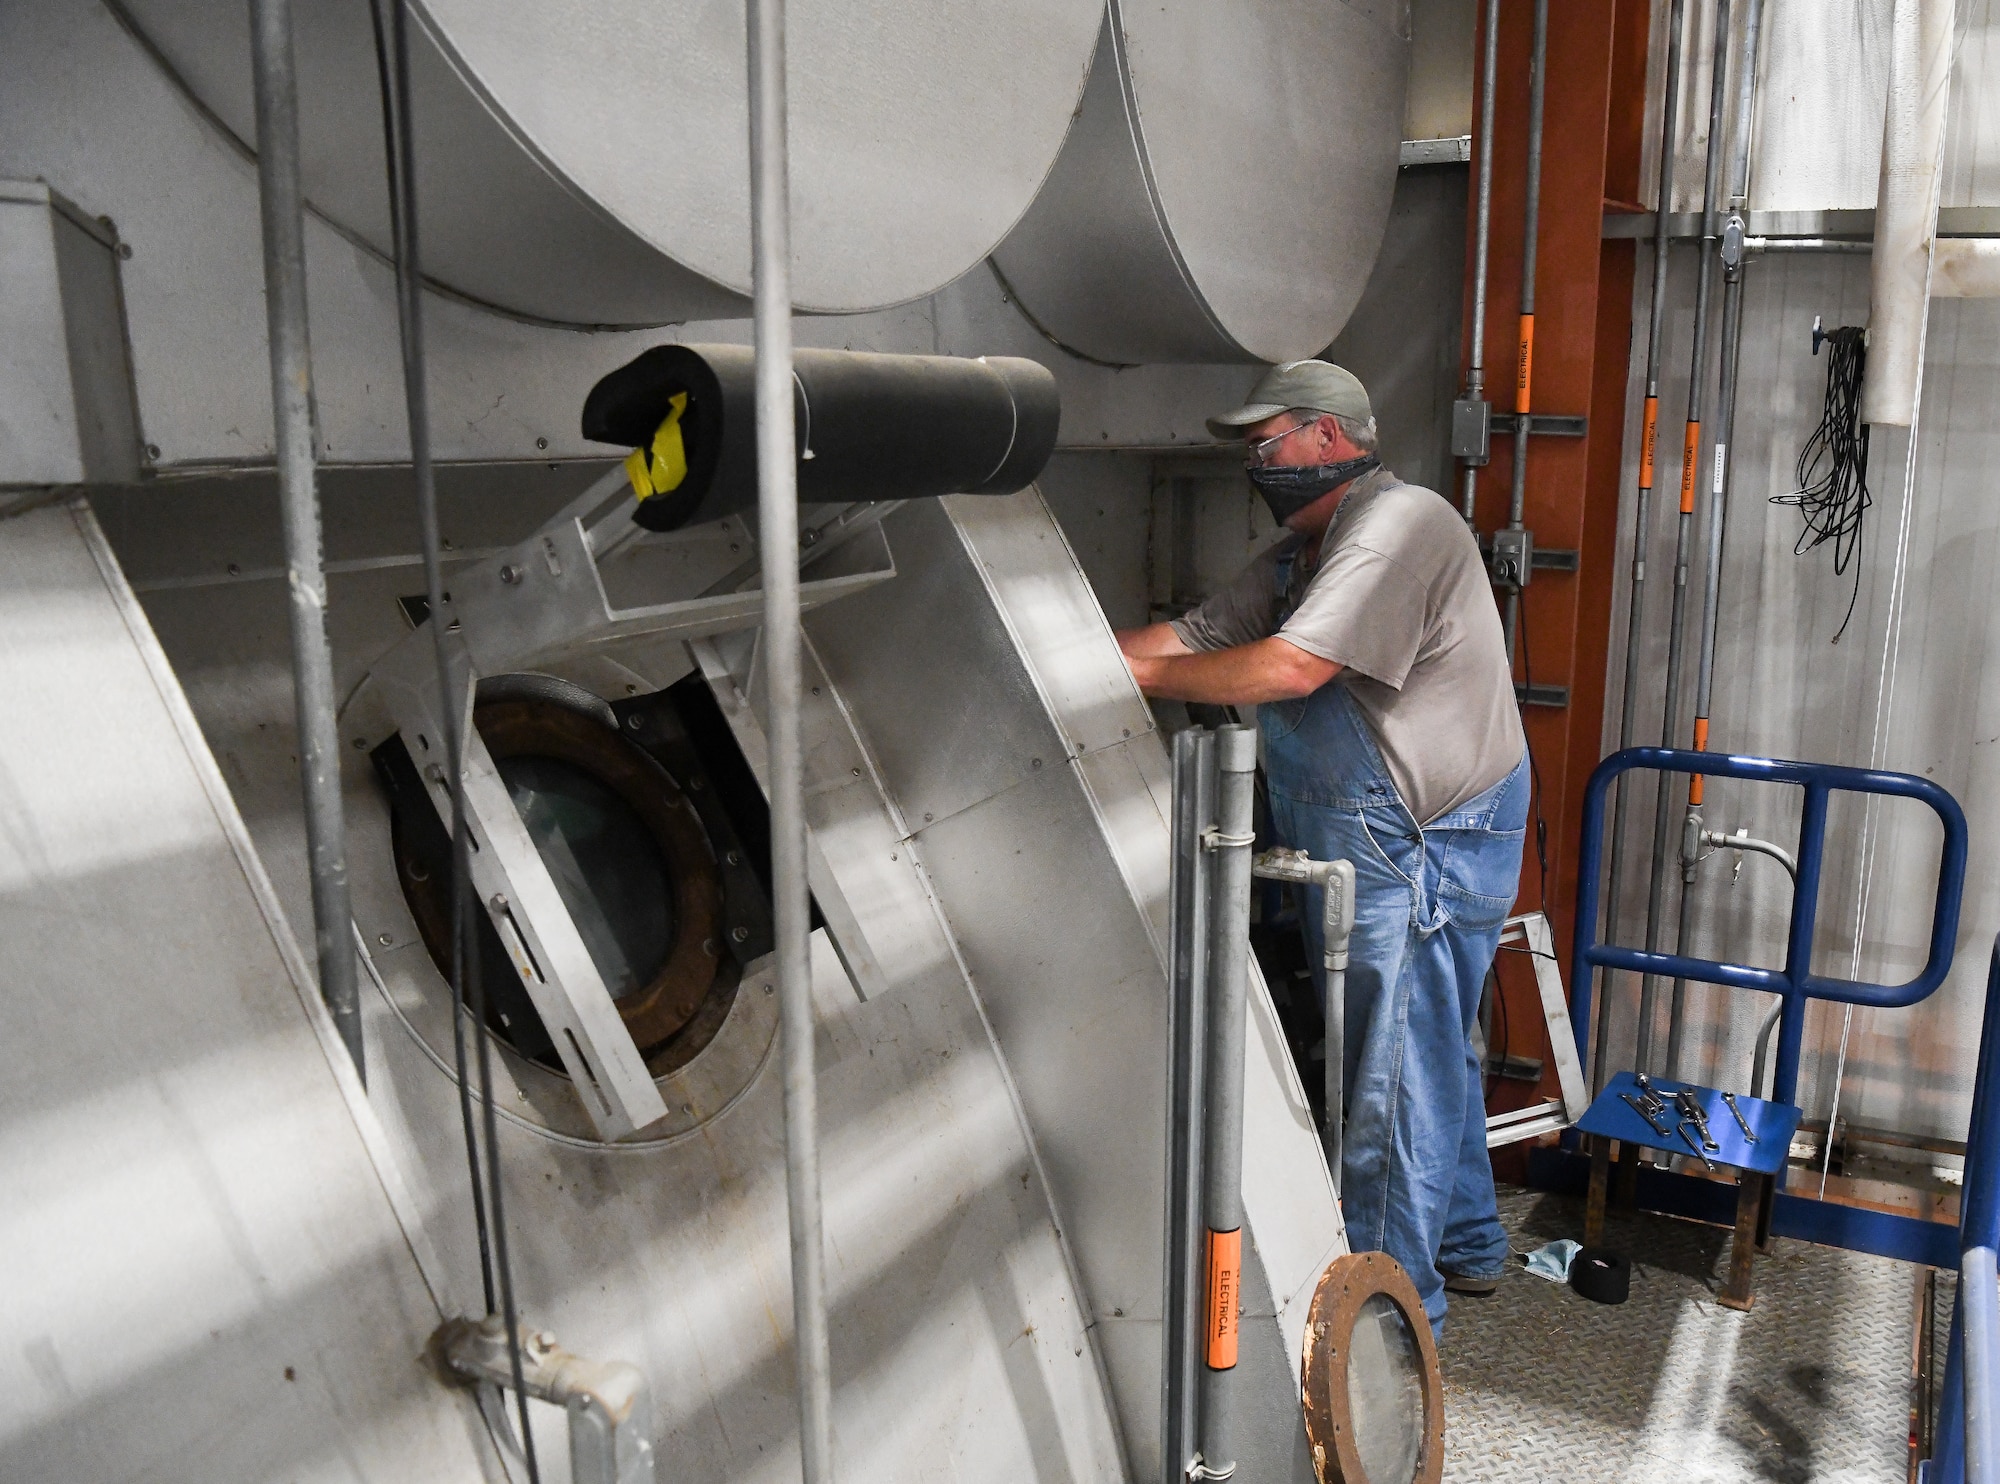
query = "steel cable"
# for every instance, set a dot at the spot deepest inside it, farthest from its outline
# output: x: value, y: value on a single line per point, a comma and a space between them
x: 488, y: 1208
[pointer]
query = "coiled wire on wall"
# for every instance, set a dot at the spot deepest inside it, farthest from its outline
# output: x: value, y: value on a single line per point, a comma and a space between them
x: 392, y: 60
x: 1832, y: 495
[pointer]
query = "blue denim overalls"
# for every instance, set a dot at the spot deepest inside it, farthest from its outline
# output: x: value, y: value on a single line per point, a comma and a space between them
x: 1415, y: 1180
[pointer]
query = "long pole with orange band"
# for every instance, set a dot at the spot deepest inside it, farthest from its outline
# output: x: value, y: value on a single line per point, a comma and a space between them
x: 1733, y: 258
x: 1663, y: 838
x: 1222, y: 1140
x: 1524, y: 369
x: 1643, y: 508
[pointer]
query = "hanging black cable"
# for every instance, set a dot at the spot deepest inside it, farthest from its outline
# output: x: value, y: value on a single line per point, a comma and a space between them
x: 393, y: 72
x: 1832, y: 495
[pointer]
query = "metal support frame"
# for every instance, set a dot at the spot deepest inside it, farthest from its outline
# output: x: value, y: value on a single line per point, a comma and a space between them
x: 1796, y: 982
x: 282, y: 199
x: 1532, y: 934
x: 609, y: 1404
x: 542, y: 599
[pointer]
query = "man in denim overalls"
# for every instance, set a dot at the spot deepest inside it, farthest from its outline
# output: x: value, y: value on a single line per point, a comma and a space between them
x: 1370, y: 643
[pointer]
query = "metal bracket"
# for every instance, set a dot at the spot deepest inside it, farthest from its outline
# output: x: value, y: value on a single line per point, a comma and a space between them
x: 609, y: 1403
x: 1558, y: 424
x: 512, y: 882
x: 1532, y: 931
x: 537, y: 601
x: 1541, y: 695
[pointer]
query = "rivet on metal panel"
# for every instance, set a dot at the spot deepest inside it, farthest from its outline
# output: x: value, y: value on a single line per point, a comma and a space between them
x: 510, y: 574
x: 385, y: 939
x: 499, y: 901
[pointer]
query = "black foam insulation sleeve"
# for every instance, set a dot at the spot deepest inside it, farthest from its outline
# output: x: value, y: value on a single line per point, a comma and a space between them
x: 870, y: 426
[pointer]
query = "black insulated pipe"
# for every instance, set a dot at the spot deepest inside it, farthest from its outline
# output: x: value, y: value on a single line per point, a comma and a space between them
x: 870, y: 426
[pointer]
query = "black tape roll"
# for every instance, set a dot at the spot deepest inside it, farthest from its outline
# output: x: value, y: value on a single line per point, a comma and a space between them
x: 869, y: 426
x: 1601, y: 1275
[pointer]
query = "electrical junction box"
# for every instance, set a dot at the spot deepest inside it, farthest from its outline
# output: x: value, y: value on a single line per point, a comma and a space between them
x: 1471, y: 430
x: 67, y: 411
x: 1512, y: 559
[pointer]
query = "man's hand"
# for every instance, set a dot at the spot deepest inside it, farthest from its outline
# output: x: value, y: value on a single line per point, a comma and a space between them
x: 1269, y: 670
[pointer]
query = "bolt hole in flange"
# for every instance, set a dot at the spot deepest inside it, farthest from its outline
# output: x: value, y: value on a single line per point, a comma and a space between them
x: 639, y: 868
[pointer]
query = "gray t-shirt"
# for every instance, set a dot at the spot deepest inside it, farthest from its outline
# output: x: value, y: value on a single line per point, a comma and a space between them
x: 1401, y: 601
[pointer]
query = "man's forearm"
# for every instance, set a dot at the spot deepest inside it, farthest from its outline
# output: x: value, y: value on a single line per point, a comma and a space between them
x: 1247, y: 675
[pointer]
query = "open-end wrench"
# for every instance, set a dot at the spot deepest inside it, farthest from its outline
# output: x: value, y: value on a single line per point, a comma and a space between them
x: 1682, y: 1130
x: 1640, y: 1108
x: 1741, y: 1122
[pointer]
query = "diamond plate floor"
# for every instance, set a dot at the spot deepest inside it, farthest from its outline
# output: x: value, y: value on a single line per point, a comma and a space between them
x: 1812, y: 1385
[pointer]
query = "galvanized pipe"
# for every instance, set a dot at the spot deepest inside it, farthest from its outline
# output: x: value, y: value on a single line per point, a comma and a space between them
x: 1684, y: 528
x: 282, y: 203
x: 1722, y: 472
x: 1524, y: 374
x: 1222, y: 1174
x: 1482, y: 240
x: 1187, y: 1033
x: 1642, y: 510
x: 778, y: 545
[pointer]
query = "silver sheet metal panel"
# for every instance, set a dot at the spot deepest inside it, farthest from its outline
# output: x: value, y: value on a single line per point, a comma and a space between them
x: 588, y: 163
x: 215, y: 1256
x: 1224, y: 191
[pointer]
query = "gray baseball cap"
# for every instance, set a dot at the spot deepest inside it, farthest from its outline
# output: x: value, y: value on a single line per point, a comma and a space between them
x: 1320, y: 385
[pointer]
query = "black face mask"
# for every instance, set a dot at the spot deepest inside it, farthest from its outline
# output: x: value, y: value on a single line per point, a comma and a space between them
x: 1289, y: 490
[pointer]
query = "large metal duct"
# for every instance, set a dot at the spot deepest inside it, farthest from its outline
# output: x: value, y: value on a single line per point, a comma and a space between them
x: 1227, y: 184
x: 588, y: 164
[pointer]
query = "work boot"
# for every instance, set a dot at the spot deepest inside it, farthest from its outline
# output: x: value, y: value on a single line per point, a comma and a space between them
x: 1473, y: 1284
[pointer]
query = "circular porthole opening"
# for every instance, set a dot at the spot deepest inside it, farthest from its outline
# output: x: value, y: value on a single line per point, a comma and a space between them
x: 627, y: 855
x: 1372, y: 1389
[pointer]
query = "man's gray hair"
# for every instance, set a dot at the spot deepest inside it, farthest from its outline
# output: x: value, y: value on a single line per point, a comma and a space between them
x: 1361, y: 435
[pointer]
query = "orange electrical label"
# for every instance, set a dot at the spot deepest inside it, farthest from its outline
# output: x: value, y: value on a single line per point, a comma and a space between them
x: 1696, y: 780
x: 1225, y: 1271
x: 1524, y: 376
x: 1689, y: 453
x: 1647, y: 439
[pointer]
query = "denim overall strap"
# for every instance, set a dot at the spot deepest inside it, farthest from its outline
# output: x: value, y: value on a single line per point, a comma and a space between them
x: 1415, y: 1179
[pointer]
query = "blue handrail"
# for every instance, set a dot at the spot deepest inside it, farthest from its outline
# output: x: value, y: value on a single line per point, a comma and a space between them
x: 1795, y: 982
x: 1975, y: 1316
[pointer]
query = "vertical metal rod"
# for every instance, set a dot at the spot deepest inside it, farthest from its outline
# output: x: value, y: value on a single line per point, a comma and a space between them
x: 1684, y: 527
x: 283, y: 206
x: 778, y: 544
x: 1181, y: 1352
x: 1977, y: 1281
x: 1482, y: 239
x: 1524, y: 373
x: 1643, y: 506
x: 1222, y: 1176
x: 1721, y: 472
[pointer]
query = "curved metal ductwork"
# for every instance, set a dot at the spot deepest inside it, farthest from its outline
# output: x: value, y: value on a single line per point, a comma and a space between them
x: 931, y: 121
x: 1226, y: 187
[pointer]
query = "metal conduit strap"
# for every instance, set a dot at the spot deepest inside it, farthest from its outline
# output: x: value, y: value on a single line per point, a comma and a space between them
x: 778, y: 544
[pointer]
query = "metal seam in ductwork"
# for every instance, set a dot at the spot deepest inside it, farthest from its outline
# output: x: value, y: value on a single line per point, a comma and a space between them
x: 1226, y: 186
